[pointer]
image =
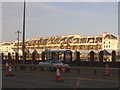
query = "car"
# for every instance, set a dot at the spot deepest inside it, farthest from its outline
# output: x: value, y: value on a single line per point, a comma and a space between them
x: 54, y: 63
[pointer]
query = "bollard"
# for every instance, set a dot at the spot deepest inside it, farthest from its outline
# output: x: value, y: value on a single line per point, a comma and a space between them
x: 95, y: 71
x: 15, y: 67
x: 33, y: 68
x: 6, y: 65
x: 106, y: 72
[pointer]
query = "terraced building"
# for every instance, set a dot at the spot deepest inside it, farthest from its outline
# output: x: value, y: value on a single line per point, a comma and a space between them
x: 106, y: 41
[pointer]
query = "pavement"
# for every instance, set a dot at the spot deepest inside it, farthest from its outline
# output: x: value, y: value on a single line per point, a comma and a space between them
x: 31, y: 79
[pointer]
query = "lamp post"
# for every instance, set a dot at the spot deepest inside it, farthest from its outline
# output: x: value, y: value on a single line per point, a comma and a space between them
x: 23, y: 46
x: 98, y: 51
x: 17, y: 54
x: 18, y: 32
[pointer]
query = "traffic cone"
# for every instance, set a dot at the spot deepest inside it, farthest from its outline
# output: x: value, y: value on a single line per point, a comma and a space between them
x: 63, y: 70
x: 6, y: 65
x: 10, y: 71
x: 106, y: 72
x: 57, y: 74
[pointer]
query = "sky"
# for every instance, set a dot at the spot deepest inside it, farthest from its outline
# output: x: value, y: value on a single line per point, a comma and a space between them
x: 45, y: 19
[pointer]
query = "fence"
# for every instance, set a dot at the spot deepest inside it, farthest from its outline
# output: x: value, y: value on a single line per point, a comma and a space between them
x: 72, y: 58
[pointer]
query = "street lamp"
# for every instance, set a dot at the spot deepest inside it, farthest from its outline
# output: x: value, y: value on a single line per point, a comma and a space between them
x: 18, y: 32
x: 23, y: 46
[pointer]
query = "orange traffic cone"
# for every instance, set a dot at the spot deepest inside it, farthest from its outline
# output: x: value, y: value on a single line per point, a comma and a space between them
x: 6, y: 65
x: 58, y: 78
x: 106, y: 72
x: 10, y: 71
x: 58, y: 73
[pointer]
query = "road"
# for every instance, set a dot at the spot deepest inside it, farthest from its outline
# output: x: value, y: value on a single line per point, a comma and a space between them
x: 31, y: 79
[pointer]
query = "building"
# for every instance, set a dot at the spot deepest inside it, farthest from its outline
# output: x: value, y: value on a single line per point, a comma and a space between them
x: 106, y: 41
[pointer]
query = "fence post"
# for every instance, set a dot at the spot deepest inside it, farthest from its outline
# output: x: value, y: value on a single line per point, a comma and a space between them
x: 16, y: 56
x: 70, y: 57
x: 91, y: 58
x: 25, y: 56
x: 2, y: 56
x: 113, y: 58
x: 9, y: 56
x: 53, y: 55
x: 43, y: 56
x: 77, y: 59
x: 33, y: 57
x: 100, y: 58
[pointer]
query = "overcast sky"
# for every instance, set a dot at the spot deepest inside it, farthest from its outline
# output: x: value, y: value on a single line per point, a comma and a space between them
x: 45, y: 19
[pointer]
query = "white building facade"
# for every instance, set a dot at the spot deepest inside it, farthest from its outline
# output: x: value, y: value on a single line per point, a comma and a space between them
x: 106, y: 41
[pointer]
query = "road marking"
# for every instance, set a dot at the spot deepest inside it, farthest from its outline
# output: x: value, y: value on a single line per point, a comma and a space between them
x: 78, y: 82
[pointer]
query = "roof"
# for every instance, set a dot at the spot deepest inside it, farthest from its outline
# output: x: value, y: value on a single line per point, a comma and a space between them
x: 105, y: 52
x: 31, y: 50
x: 87, y: 51
x: 117, y: 51
x: 62, y: 50
x: 110, y: 36
x: 39, y: 50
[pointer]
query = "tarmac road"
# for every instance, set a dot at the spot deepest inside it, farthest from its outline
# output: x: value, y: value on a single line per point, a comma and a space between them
x: 24, y: 79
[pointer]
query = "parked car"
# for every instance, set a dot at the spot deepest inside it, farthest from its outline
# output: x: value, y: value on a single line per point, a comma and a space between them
x: 54, y: 63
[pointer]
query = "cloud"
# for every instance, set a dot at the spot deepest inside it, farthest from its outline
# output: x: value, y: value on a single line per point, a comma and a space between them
x: 51, y: 18
x: 33, y: 6
x: 36, y: 19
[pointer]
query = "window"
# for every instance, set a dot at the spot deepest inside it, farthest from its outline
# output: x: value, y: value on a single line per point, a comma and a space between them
x: 106, y: 46
x: 109, y: 46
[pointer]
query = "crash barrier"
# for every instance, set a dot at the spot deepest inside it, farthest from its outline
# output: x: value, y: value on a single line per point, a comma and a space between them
x: 81, y: 63
x: 70, y: 69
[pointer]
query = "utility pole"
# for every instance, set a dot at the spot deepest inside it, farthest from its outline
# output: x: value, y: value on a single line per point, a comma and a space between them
x: 18, y: 32
x: 23, y: 46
